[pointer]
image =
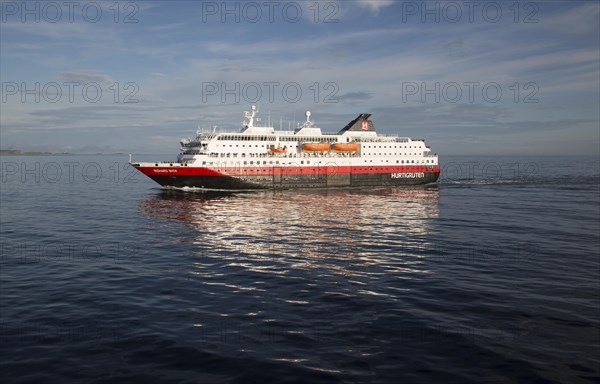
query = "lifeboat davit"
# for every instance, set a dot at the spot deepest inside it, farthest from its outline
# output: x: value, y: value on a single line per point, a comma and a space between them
x: 345, y: 147
x: 316, y: 147
x: 278, y: 149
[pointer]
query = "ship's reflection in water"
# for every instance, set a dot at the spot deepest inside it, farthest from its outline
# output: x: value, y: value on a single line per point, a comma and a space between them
x: 355, y: 235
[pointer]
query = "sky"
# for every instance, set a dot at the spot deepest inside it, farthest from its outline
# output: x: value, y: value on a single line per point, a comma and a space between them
x: 469, y: 77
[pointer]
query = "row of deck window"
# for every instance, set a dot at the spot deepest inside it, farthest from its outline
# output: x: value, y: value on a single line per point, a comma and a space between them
x: 214, y: 154
x: 365, y: 146
x: 306, y: 138
x: 276, y: 162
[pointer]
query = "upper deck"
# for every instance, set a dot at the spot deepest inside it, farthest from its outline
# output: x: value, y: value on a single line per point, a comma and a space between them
x: 265, y: 141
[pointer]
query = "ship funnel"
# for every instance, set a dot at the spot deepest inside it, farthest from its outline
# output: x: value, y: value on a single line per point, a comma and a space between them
x: 361, y: 123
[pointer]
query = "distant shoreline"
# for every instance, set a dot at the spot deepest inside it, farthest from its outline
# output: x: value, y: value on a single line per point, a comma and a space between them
x: 18, y: 152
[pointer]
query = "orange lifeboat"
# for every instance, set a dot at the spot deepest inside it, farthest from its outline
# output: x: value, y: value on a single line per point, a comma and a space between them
x: 278, y: 149
x: 316, y: 147
x: 345, y: 147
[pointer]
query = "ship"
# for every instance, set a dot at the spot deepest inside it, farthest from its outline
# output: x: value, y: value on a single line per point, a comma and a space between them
x: 260, y: 157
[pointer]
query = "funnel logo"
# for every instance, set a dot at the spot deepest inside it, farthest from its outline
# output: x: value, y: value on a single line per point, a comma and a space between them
x: 364, y: 125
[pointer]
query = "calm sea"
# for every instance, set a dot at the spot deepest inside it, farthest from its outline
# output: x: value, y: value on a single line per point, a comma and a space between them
x: 490, y: 276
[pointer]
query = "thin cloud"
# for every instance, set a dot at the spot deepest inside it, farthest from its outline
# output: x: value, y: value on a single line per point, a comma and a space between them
x: 355, y: 96
x: 83, y: 76
x: 374, y: 5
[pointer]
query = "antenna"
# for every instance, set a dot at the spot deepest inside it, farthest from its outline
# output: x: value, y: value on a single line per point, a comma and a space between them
x: 294, y: 115
x: 251, y: 117
x: 307, y: 123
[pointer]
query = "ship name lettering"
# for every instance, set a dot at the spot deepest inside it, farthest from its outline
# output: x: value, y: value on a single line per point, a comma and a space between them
x: 408, y: 175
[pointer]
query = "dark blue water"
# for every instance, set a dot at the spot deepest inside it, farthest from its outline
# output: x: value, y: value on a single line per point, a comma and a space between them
x: 491, y: 276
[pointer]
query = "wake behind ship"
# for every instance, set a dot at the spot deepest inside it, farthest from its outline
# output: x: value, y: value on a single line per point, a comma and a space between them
x: 259, y: 157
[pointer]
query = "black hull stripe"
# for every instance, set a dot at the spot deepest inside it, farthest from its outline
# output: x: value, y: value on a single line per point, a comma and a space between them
x: 295, y: 181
